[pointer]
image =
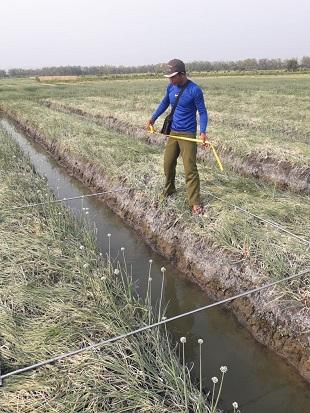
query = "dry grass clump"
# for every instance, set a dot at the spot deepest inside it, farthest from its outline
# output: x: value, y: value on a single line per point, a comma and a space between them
x: 58, y: 294
x: 57, y: 78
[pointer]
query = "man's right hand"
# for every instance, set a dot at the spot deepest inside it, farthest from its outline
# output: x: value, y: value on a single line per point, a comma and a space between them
x: 205, y: 139
x: 149, y: 123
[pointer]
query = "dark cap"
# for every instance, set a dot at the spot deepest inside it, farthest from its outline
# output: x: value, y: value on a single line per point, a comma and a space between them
x: 174, y: 67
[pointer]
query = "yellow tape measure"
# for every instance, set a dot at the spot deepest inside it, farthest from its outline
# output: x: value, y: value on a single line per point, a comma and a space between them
x: 198, y: 141
x: 216, y: 156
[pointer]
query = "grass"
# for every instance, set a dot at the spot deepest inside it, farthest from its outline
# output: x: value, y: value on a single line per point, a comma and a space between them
x: 264, y: 121
x: 264, y: 115
x: 57, y: 78
x: 58, y: 294
x: 272, y: 253
x: 261, y: 115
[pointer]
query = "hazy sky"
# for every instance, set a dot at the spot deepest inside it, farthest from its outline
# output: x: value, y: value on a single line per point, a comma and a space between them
x: 37, y: 33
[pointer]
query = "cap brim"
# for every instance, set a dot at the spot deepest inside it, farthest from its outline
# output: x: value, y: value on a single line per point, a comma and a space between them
x: 172, y: 74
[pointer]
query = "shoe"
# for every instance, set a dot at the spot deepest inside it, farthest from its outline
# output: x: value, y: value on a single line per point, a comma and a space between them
x: 198, y: 209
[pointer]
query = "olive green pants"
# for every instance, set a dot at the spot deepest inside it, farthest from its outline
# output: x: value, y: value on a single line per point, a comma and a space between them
x: 188, y: 151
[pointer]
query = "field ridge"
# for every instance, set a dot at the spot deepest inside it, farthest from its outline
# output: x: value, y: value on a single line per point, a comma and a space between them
x: 282, y: 328
x: 284, y: 174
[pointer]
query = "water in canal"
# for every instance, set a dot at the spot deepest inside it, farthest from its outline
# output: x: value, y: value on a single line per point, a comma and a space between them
x: 259, y: 380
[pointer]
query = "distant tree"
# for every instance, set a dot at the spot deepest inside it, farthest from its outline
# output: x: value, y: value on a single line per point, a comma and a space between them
x: 263, y: 64
x: 292, y: 65
x: 305, y: 62
x: 250, y: 64
x: 3, y: 73
x: 196, y: 66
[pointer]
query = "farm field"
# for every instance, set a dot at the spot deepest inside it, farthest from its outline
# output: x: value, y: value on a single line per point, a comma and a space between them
x: 267, y: 121
x: 228, y: 229
x: 58, y: 294
x: 260, y: 121
x: 265, y: 117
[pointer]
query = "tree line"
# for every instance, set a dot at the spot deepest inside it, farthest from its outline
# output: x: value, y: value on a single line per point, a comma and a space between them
x: 197, y: 66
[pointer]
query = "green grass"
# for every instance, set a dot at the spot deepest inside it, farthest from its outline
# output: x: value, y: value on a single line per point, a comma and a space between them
x: 56, y: 297
x: 264, y: 115
x: 271, y: 252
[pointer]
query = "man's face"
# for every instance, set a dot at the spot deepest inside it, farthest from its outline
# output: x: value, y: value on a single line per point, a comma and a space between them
x: 177, y: 79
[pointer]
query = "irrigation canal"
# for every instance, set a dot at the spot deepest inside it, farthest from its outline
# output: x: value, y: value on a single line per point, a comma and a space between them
x: 259, y: 380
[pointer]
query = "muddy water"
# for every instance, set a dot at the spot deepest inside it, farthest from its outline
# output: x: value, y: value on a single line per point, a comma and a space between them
x: 257, y: 379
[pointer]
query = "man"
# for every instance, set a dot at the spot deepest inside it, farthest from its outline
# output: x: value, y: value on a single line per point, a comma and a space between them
x: 184, y: 123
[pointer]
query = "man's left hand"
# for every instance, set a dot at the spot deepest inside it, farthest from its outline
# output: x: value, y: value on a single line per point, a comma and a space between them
x: 205, y: 139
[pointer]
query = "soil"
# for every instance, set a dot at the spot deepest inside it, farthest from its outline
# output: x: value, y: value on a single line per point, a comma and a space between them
x: 281, y: 326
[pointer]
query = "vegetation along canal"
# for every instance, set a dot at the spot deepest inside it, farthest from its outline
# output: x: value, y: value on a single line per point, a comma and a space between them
x: 258, y: 379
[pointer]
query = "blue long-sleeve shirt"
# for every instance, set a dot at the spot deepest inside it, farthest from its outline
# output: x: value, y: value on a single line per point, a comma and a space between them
x: 184, y: 117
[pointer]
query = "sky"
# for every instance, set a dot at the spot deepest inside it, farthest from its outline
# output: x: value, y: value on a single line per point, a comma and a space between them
x: 38, y: 33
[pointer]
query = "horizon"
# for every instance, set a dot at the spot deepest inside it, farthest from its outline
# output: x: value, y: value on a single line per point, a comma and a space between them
x: 298, y: 58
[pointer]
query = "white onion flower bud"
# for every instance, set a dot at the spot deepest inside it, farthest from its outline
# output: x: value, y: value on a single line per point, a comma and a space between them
x: 223, y: 369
